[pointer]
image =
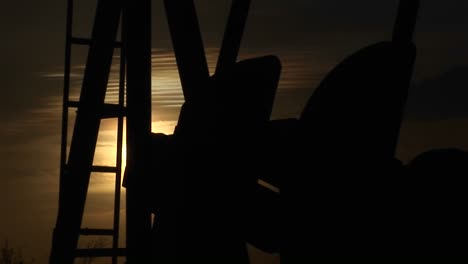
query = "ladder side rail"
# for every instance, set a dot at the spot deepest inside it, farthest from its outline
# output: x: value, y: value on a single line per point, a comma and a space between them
x: 66, y: 91
x: 120, y: 125
x: 53, y: 258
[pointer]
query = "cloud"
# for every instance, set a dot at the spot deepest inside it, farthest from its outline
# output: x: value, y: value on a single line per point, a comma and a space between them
x: 440, y: 97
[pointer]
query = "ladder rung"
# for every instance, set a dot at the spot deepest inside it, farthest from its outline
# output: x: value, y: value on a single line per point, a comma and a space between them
x: 104, y: 169
x: 87, y: 42
x: 96, y: 232
x: 108, y: 111
x: 100, y: 252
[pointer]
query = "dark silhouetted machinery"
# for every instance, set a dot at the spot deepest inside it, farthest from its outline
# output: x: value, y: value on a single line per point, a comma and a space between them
x: 202, y: 182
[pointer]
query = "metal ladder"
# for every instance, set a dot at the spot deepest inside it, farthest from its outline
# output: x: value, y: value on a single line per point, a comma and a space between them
x: 77, y: 165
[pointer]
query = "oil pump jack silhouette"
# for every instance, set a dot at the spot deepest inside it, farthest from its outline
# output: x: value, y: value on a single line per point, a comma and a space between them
x: 202, y: 181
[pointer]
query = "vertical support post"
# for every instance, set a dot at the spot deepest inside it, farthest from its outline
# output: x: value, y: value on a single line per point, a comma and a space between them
x: 137, y: 43
x: 233, y: 34
x: 188, y: 47
x: 406, y: 21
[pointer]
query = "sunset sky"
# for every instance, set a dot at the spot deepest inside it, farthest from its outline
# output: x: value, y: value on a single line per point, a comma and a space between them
x: 309, y: 36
